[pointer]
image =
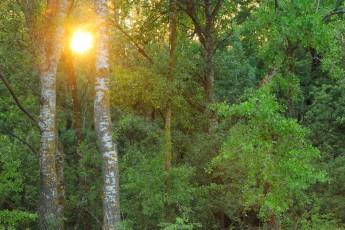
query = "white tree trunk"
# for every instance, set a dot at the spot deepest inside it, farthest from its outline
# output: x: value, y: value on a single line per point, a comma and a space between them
x: 49, y: 193
x: 50, y: 210
x: 103, y: 124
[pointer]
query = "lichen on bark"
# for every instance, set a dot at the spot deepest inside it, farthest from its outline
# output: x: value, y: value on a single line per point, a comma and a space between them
x: 103, y: 123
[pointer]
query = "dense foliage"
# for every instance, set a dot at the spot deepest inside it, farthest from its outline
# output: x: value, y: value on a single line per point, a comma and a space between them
x: 267, y: 153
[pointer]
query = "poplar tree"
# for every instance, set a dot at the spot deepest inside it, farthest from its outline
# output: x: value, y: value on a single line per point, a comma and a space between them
x: 103, y: 123
x: 47, y: 40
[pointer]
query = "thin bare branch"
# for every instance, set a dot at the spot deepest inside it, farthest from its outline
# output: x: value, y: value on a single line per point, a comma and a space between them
x: 22, y: 140
x: 15, y: 98
x: 141, y: 50
x: 334, y: 12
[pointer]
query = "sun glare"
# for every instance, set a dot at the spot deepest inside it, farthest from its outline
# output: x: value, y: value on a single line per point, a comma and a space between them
x: 81, y: 41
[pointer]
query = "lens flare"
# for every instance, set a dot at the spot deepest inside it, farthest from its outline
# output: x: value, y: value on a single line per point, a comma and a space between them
x: 81, y: 41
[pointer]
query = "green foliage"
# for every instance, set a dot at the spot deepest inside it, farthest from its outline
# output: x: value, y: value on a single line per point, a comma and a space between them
x: 234, y: 71
x: 10, y: 179
x: 11, y: 185
x: 139, y: 88
x: 181, y: 223
x: 143, y: 179
x: 268, y: 153
x: 11, y: 219
x: 325, y: 119
x: 256, y: 163
x: 315, y: 220
x: 83, y: 181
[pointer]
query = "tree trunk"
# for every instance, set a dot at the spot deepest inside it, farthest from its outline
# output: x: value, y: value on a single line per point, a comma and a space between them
x: 209, y: 52
x: 103, y: 124
x: 49, y: 192
x: 274, y: 223
x: 50, y: 210
x: 316, y: 59
x: 205, y: 33
x: 168, y: 111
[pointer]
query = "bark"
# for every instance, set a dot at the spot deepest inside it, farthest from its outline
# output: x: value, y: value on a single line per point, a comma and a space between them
x: 274, y: 223
x: 50, y: 210
x: 209, y: 53
x: 49, y: 197
x: 103, y: 123
x: 316, y: 59
x: 223, y: 220
x: 168, y: 158
x: 209, y: 69
x: 168, y: 111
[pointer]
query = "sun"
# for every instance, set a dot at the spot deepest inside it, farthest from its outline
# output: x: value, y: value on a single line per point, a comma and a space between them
x: 81, y: 41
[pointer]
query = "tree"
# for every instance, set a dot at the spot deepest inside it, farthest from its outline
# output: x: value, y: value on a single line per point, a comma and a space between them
x: 283, y: 39
x: 168, y: 110
x: 182, y: 166
x: 48, y: 40
x: 206, y: 35
x: 103, y: 124
x: 271, y: 157
x: 212, y: 21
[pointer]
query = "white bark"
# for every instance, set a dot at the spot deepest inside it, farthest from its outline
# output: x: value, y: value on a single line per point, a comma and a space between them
x: 103, y: 124
x: 50, y: 210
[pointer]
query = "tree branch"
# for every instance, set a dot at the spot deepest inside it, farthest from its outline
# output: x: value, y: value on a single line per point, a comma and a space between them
x: 334, y: 12
x: 119, y: 27
x: 220, y: 43
x: 141, y: 50
x: 190, y: 11
x: 276, y: 5
x: 22, y: 140
x: 192, y: 103
x: 292, y: 47
x: 15, y: 98
x: 216, y: 8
